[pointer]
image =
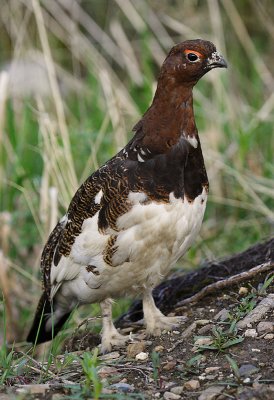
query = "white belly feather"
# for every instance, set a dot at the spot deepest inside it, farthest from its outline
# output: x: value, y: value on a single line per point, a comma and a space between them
x: 151, y: 238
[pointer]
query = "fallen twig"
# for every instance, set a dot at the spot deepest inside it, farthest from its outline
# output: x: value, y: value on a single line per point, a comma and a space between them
x: 227, y: 282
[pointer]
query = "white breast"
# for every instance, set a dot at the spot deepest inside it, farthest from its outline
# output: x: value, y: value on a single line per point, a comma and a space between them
x: 151, y: 238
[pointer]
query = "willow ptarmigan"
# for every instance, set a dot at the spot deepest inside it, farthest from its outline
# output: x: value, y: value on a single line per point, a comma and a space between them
x: 133, y: 218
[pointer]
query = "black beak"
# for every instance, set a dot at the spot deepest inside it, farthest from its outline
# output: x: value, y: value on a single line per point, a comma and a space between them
x: 216, y: 60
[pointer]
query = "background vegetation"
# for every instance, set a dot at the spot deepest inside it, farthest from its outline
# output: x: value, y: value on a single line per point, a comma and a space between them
x: 77, y: 75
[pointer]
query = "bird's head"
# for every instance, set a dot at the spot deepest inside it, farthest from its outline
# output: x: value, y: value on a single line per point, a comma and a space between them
x: 188, y: 61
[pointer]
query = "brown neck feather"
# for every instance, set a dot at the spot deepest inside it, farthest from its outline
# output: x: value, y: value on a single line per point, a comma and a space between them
x: 169, y: 117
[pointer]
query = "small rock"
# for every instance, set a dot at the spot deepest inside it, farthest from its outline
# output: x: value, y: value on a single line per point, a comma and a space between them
x: 211, y: 377
x: 251, y: 333
x: 170, y: 365
x: 192, y: 385
x: 258, y: 312
x: 34, y: 388
x: 55, y: 396
x: 177, y: 389
x: 265, y: 327
x: 176, y: 332
x: 110, y: 356
x: 211, y: 393
x: 222, y: 315
x: 171, y: 396
x: 211, y: 369
x: 123, y: 387
x: 247, y: 369
x: 159, y: 349
x: 201, y: 342
x: 141, y: 356
x: 269, y: 336
x: 247, y: 380
x: 256, y: 350
x: 135, y: 348
x: 205, y: 329
x: 106, y: 371
x: 243, y: 290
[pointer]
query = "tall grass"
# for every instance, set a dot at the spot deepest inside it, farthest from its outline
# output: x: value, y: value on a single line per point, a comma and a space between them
x: 99, y: 63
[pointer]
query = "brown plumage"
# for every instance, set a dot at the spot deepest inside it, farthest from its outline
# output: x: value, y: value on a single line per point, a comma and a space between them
x: 133, y: 218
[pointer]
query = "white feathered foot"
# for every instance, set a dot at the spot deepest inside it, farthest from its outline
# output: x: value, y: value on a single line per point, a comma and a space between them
x: 154, y: 320
x: 110, y: 335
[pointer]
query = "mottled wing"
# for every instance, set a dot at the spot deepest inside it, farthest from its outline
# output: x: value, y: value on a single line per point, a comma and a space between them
x: 60, y: 241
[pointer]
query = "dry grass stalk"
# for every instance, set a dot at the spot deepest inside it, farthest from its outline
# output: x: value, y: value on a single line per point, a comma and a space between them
x: 55, y: 91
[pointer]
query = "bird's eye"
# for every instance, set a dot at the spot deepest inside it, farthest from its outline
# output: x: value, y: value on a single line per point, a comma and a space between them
x: 192, y: 57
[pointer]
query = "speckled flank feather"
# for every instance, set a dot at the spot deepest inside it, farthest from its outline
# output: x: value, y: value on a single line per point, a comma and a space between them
x: 134, y: 217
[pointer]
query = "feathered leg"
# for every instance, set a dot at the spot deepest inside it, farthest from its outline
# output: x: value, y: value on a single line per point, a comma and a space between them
x: 110, y: 335
x: 155, y: 321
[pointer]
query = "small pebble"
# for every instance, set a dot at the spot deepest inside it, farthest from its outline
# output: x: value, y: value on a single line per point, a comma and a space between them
x: 211, y: 369
x: 247, y: 380
x: 106, y: 371
x: 192, y: 385
x: 170, y: 365
x: 269, y: 336
x: 211, y: 393
x: 247, y: 369
x: 222, y: 315
x: 256, y: 350
x: 110, y: 356
x: 177, y: 389
x: 200, y: 342
x: 55, y: 396
x: 141, y: 356
x: 159, y: 349
x: 135, y: 348
x: 123, y: 387
x: 265, y: 326
x: 205, y: 329
x: 210, y: 377
x: 251, y: 333
x: 34, y: 389
x: 243, y: 290
x: 171, y: 396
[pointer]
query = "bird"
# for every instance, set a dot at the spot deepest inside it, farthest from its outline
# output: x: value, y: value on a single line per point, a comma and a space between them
x: 134, y: 217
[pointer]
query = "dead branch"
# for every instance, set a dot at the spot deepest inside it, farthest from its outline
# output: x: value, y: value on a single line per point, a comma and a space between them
x: 227, y: 282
